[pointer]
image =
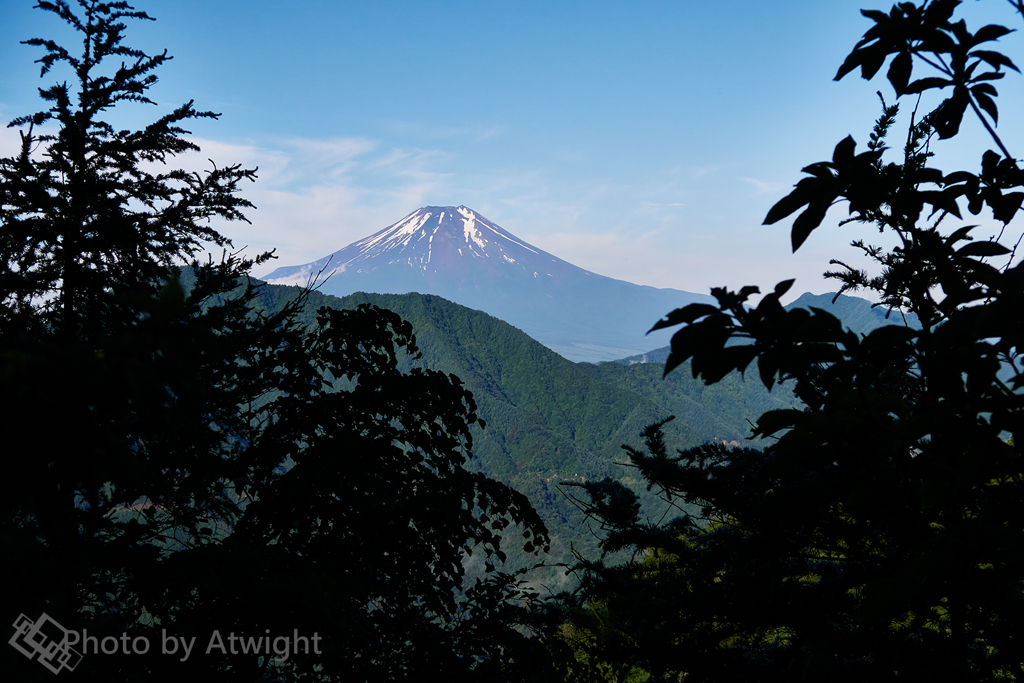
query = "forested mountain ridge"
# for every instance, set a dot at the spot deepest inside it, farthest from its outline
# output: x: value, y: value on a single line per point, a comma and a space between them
x: 548, y: 419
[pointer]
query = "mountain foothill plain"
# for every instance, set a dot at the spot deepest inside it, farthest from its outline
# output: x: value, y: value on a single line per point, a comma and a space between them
x: 527, y: 333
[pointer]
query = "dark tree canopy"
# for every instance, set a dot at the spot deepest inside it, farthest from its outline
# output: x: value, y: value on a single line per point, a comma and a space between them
x: 880, y: 536
x: 182, y: 462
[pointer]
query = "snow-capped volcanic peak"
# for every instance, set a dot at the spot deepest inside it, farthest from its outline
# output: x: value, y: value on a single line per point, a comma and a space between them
x: 455, y: 253
x: 432, y: 239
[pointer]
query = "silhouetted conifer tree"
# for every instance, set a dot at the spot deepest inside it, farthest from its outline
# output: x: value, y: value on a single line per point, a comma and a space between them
x: 180, y: 464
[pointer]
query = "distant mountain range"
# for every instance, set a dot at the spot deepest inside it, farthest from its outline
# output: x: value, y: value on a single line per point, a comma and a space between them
x: 455, y: 253
x: 857, y: 315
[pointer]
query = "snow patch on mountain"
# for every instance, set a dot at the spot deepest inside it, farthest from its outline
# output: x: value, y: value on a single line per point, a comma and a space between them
x: 469, y: 228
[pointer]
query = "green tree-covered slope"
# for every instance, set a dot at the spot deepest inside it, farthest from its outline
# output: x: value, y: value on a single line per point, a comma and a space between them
x: 549, y: 420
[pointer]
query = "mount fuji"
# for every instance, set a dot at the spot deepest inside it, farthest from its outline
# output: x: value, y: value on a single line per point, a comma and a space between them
x: 455, y: 253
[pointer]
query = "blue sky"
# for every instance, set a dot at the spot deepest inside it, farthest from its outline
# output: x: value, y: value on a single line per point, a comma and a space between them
x: 644, y: 141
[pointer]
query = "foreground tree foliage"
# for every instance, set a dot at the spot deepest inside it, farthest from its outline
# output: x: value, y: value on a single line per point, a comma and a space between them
x: 881, y: 536
x: 179, y: 463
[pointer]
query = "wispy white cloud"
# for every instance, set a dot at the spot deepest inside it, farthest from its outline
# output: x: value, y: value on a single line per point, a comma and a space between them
x: 416, y: 165
x: 331, y: 158
x: 314, y: 196
x: 477, y: 133
x: 700, y: 171
x: 766, y: 186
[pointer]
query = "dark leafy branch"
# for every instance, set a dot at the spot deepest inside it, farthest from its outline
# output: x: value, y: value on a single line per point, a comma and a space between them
x: 878, y: 536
